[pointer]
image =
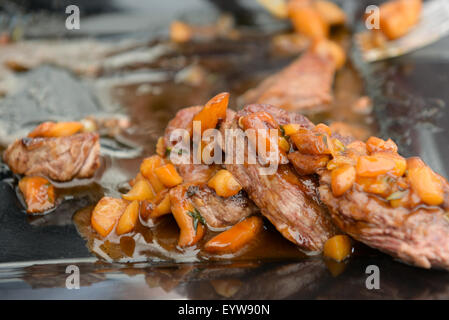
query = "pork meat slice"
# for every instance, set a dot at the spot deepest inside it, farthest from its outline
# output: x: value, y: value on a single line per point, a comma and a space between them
x: 418, y: 237
x: 60, y: 158
x: 305, y: 85
x: 289, y: 201
x: 218, y: 212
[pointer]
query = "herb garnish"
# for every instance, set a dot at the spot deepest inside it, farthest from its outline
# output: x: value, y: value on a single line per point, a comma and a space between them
x: 396, y: 195
x: 197, y: 217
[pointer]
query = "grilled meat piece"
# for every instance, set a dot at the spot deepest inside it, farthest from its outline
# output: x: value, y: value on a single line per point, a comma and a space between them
x: 289, y: 201
x: 60, y: 159
x: 418, y: 236
x: 218, y: 212
x: 305, y: 85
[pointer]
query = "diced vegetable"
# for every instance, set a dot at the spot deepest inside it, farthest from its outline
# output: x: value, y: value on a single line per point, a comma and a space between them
x: 106, y: 214
x: 339, y: 161
x: 147, y: 170
x: 232, y: 240
x: 342, y: 179
x: 160, y: 147
x: 59, y: 129
x: 322, y: 128
x: 180, y: 32
x: 400, y: 162
x: 214, y: 110
x: 128, y: 220
x: 306, y: 164
x: 331, y: 13
x: 378, y: 185
x: 398, y: 17
x: 168, y: 175
x: 374, y: 145
x: 290, y: 128
x: 224, y: 184
x: 161, y: 205
x: 338, y: 247
x: 414, y: 163
x: 140, y: 191
x: 38, y: 192
x: 427, y: 185
x: 284, y: 145
x: 189, y: 220
x: 331, y: 49
x: 372, y: 166
x: 307, y: 20
x: 137, y: 178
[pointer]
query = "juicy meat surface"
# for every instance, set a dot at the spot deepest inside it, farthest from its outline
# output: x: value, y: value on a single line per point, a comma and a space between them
x: 304, y: 85
x: 289, y: 201
x: 60, y: 159
x: 418, y: 237
x: 218, y: 212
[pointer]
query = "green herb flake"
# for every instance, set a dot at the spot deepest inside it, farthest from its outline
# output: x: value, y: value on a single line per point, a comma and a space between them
x: 282, y: 130
x: 197, y: 217
x: 167, y: 151
x: 396, y: 195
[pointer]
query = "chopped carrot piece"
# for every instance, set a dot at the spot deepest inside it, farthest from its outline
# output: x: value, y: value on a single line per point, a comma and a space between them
x: 400, y: 162
x: 398, y: 17
x: 377, y: 185
x: 140, y: 191
x: 189, y: 220
x: 128, y: 220
x: 339, y: 161
x: 38, y: 192
x: 59, y: 129
x: 374, y: 144
x: 224, y: 184
x: 338, y: 247
x: 214, y: 110
x: 160, y: 206
x: 283, y: 143
x: 372, y: 166
x: 147, y: 170
x: 427, y: 185
x: 307, y: 20
x: 232, y: 240
x: 168, y: 175
x: 342, y: 179
x: 106, y: 214
x: 414, y: 163
x: 290, y: 128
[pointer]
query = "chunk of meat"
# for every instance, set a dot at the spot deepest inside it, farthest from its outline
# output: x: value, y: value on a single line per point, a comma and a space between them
x: 61, y: 158
x: 289, y: 201
x: 418, y: 237
x: 218, y: 212
x: 304, y: 85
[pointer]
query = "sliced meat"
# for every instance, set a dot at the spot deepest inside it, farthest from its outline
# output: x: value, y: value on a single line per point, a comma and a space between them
x: 218, y: 212
x: 60, y: 159
x: 418, y: 237
x: 304, y: 85
x: 289, y: 201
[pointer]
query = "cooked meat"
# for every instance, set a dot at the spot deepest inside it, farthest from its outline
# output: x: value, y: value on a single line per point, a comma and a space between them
x: 61, y: 159
x: 218, y: 212
x: 304, y: 85
x: 289, y: 201
x: 419, y: 236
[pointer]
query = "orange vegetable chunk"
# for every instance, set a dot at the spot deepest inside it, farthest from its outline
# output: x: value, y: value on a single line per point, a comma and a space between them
x: 214, y: 110
x: 58, y: 129
x: 224, y: 184
x: 140, y: 191
x: 338, y: 247
x: 374, y: 144
x: 147, y: 170
x: 128, y: 220
x: 398, y: 17
x: 372, y: 166
x: 38, y: 192
x: 235, y: 238
x: 342, y: 179
x: 307, y: 20
x: 106, y: 214
x: 427, y: 185
x: 168, y: 175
